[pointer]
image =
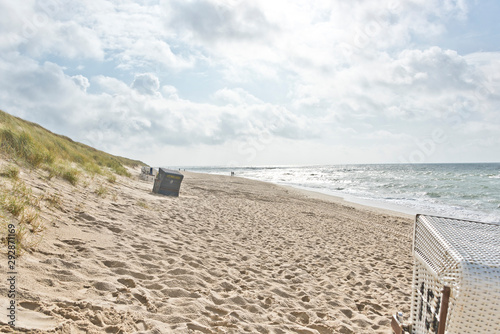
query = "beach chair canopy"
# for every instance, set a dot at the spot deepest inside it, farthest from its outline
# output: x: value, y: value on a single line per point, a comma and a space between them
x: 167, y: 182
x: 463, y: 256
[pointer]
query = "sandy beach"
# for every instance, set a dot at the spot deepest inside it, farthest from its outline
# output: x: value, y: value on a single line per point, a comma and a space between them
x: 230, y: 255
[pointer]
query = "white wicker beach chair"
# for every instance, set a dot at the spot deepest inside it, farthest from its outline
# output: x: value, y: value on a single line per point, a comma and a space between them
x: 456, y: 278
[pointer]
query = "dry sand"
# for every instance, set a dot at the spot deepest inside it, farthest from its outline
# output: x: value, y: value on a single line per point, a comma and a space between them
x: 229, y: 255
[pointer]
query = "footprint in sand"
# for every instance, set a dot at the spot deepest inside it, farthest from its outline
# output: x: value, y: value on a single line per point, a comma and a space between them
x: 301, y: 317
x: 104, y: 286
x: 28, y: 318
x: 74, y: 242
x: 114, y: 229
x: 200, y: 328
x: 126, y: 272
x: 128, y: 282
x: 85, y: 216
x: 217, y: 310
x: 115, y: 264
x: 155, y: 286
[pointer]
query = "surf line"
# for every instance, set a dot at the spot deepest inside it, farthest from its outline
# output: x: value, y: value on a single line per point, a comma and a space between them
x: 11, y: 274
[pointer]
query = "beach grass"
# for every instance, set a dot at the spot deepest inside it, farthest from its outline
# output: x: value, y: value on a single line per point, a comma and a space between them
x: 143, y: 204
x: 33, y: 146
x: 10, y: 171
x: 27, y: 146
x: 19, y: 206
x: 101, y: 191
x: 111, y: 178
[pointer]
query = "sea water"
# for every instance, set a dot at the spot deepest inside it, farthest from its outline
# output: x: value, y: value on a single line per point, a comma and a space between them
x: 463, y: 191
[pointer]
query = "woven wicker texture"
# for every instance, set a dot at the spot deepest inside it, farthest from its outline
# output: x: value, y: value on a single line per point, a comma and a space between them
x: 465, y: 256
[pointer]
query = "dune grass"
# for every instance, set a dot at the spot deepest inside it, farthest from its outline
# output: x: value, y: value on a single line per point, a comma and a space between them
x: 101, y: 191
x: 28, y: 146
x: 18, y: 201
x: 32, y: 145
x: 10, y: 171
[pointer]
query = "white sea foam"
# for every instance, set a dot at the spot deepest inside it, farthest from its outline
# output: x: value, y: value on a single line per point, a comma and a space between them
x: 466, y: 191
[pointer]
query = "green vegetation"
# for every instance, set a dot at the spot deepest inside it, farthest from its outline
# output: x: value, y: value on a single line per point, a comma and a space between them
x: 27, y: 145
x: 24, y: 208
x: 142, y: 204
x: 54, y: 200
x: 10, y: 171
x: 101, y: 191
x: 111, y: 178
x: 31, y: 145
x: 17, y: 199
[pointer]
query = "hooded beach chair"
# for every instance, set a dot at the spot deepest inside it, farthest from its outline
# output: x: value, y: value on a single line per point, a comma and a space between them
x: 456, y: 278
x: 167, y: 182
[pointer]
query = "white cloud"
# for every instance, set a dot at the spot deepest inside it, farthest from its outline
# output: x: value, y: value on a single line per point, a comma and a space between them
x: 351, y: 75
x: 146, y: 83
x: 169, y: 92
x: 64, y: 39
x: 81, y: 81
x: 34, y: 28
x: 216, y: 21
x: 111, y: 85
x: 119, y: 117
x: 235, y: 96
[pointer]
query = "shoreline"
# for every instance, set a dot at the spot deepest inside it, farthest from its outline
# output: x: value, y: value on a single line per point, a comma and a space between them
x: 362, y: 204
x: 431, y: 190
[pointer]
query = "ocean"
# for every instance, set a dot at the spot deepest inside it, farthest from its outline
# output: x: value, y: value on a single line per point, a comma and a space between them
x: 465, y: 191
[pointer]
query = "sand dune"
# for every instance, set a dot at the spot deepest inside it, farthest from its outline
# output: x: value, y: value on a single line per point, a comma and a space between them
x: 229, y: 255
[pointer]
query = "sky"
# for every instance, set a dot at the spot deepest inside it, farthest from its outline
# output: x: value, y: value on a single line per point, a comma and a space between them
x: 259, y: 83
